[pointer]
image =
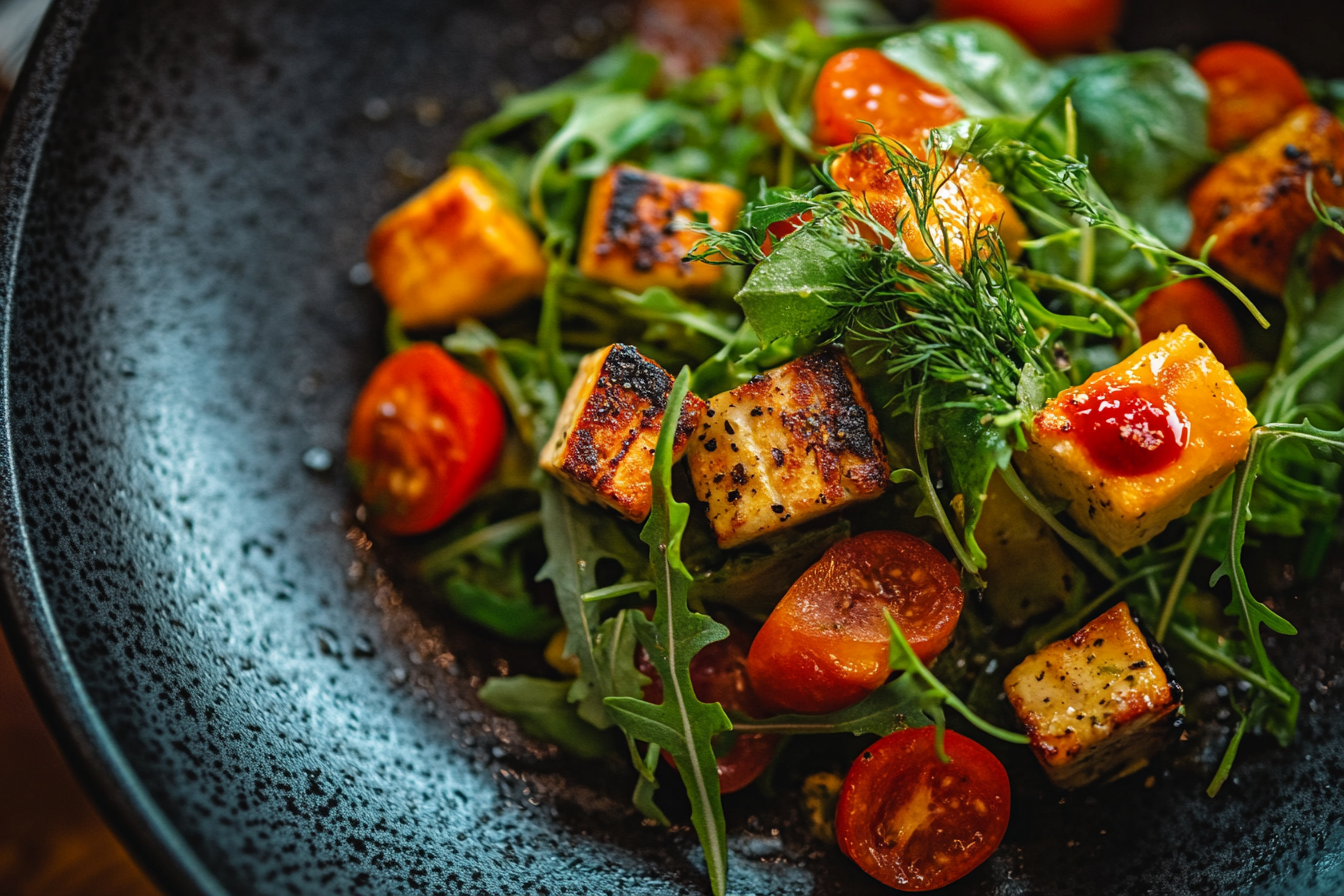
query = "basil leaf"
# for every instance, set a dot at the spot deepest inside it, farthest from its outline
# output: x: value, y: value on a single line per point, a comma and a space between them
x: 790, y: 293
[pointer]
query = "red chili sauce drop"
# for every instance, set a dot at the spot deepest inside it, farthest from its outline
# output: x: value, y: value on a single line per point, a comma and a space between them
x: 1127, y: 430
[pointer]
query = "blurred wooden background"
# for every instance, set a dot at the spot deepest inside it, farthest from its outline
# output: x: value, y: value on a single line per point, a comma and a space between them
x: 52, y: 842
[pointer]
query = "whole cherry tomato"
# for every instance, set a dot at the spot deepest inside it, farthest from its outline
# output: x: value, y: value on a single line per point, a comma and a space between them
x: 1049, y: 26
x: 687, y: 36
x: 719, y: 675
x: 1198, y: 306
x: 425, y: 435
x: 858, y: 88
x: 1251, y: 88
x: 916, y: 823
x: 826, y: 644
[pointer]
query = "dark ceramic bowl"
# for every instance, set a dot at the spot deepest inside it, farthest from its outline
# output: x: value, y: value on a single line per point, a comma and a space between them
x: 187, y: 186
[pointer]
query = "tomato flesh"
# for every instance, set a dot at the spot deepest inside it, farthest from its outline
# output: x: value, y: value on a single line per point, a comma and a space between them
x: 719, y: 675
x: 1127, y: 430
x: 780, y: 229
x: 826, y: 644
x: 1251, y: 89
x: 426, y: 433
x: 915, y: 823
x: 861, y: 87
x: 1049, y: 26
x: 1198, y: 306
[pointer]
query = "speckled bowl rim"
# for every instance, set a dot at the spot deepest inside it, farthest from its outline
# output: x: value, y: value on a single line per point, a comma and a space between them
x: 25, y: 612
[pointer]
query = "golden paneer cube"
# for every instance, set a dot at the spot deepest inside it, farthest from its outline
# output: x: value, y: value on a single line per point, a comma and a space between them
x: 786, y: 447
x: 1027, y: 571
x: 632, y: 236
x: 966, y: 200
x: 454, y: 250
x: 1137, y: 444
x: 1255, y: 201
x: 1097, y: 705
x: 604, y: 440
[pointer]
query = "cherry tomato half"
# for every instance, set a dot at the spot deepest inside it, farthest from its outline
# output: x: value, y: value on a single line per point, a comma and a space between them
x: 780, y: 229
x: 687, y: 36
x: 719, y: 675
x: 1198, y: 306
x: 1049, y: 26
x: 862, y: 85
x: 826, y: 644
x: 426, y: 434
x: 1251, y: 88
x: 915, y: 823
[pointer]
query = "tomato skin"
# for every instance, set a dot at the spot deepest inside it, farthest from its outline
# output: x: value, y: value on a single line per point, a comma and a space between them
x: 826, y: 644
x: 781, y: 229
x: 425, y: 434
x: 1198, y: 306
x: 1251, y: 89
x: 862, y: 85
x: 959, y: 810
x: 1050, y: 27
x: 719, y: 675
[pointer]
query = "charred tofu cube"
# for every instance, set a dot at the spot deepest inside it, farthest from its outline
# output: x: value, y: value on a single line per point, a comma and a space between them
x: 1137, y: 444
x: 604, y: 440
x: 631, y: 236
x: 965, y: 202
x: 787, y: 447
x: 1097, y: 705
x: 455, y: 250
x: 1255, y: 201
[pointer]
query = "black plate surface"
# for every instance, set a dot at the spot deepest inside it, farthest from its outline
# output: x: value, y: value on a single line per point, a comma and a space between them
x: 187, y: 186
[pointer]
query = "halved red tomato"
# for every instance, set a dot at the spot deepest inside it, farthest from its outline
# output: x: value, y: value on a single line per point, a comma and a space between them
x: 719, y: 675
x: 916, y: 823
x: 426, y: 434
x: 859, y: 88
x: 1049, y: 26
x: 826, y: 644
x: 1198, y: 306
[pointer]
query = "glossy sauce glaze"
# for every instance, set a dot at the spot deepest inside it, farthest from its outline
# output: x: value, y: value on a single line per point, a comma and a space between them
x: 1127, y: 429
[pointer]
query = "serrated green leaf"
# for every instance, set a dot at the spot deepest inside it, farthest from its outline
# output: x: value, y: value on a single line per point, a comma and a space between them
x: 681, y: 724
x: 893, y: 706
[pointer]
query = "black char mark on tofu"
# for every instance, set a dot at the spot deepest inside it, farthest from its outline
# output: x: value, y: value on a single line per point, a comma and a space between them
x: 604, y: 443
x: 785, y: 447
x: 642, y: 230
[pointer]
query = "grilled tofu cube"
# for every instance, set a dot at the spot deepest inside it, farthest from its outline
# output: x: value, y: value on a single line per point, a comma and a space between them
x: 455, y: 250
x: 1182, y: 428
x: 630, y: 235
x: 1255, y: 201
x: 966, y: 200
x: 1027, y: 570
x: 1097, y: 705
x: 787, y: 447
x: 604, y: 440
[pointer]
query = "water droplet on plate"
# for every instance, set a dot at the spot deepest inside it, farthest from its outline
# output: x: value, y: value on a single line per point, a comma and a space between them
x: 317, y: 459
x: 360, y: 274
x: 328, y: 641
x: 362, y: 646
x: 377, y: 109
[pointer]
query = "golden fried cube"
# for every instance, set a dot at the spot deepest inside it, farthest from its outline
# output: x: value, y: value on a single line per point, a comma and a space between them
x: 605, y: 437
x: 965, y: 202
x: 1177, y: 371
x: 1255, y: 201
x: 1097, y: 705
x: 631, y: 237
x: 454, y: 250
x: 787, y: 447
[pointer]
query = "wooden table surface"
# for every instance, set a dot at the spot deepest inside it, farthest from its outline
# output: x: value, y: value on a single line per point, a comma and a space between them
x: 52, y: 842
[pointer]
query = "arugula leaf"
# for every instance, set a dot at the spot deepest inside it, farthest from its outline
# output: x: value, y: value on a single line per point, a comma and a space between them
x: 541, y: 707
x: 681, y: 724
x: 985, y: 67
x: 577, y: 538
x: 893, y: 706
